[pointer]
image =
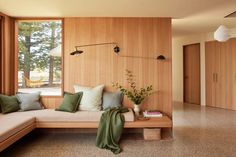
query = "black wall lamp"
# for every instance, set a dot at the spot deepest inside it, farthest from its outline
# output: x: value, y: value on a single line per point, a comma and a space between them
x: 116, y: 49
x: 161, y: 57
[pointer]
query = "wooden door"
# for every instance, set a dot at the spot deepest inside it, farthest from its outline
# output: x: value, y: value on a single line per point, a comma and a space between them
x: 218, y: 74
x: 233, y: 43
x: 210, y: 59
x: 192, y: 73
x: 224, y: 77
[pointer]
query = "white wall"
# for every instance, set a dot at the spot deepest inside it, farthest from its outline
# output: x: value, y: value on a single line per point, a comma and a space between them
x: 177, y: 62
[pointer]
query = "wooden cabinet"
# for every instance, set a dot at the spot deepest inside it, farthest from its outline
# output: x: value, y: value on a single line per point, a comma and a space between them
x: 210, y: 73
x: 221, y: 74
x: 234, y: 74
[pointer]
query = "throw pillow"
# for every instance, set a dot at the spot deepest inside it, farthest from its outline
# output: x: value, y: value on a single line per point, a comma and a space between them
x: 92, y: 97
x: 29, y: 101
x: 70, y: 102
x: 112, y: 99
x: 9, y: 104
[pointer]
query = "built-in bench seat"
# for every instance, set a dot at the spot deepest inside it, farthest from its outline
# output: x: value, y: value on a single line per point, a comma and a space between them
x: 12, y: 123
x: 15, y: 125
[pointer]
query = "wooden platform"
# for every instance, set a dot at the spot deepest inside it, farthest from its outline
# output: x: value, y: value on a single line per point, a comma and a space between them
x: 13, y: 138
x: 162, y: 122
x: 157, y: 126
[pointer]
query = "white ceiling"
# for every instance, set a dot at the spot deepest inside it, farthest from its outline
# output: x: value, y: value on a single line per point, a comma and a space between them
x: 190, y: 16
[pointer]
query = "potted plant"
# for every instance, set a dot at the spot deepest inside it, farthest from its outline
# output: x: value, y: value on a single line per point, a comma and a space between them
x: 133, y: 93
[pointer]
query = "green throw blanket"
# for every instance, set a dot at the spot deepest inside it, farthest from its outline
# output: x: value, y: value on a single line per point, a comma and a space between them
x: 110, y: 129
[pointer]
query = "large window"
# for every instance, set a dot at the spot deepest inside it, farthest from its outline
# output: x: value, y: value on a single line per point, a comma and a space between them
x: 39, y: 57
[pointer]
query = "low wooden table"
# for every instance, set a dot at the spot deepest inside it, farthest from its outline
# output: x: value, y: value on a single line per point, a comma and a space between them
x: 159, y: 122
x: 152, y: 127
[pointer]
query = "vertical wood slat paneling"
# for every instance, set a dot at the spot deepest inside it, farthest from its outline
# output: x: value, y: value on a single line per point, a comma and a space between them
x: 142, y: 37
x: 7, y: 72
x: 51, y: 102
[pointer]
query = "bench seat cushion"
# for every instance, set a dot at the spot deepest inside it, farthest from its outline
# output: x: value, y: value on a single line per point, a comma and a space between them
x: 50, y: 115
x: 12, y: 123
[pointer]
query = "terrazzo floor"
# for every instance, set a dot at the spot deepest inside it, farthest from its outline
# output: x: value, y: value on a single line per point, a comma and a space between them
x: 198, y: 132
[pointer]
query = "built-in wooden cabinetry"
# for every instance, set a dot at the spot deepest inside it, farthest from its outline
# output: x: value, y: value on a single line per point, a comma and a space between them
x: 221, y: 74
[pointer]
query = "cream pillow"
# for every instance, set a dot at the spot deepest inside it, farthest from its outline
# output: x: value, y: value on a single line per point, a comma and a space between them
x: 91, y: 99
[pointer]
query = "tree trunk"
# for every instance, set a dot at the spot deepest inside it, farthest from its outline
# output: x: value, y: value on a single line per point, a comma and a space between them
x: 51, y: 60
x: 51, y: 66
x: 27, y: 59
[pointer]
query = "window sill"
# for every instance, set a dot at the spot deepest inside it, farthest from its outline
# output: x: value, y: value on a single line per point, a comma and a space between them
x: 45, y: 92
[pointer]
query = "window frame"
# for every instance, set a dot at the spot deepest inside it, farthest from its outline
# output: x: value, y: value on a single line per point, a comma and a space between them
x: 19, y: 19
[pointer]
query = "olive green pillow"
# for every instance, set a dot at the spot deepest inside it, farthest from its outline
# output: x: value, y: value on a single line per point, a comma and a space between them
x: 70, y: 102
x: 9, y: 103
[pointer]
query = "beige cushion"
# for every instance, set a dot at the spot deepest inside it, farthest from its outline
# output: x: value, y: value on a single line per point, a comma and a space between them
x: 12, y: 123
x: 50, y: 115
x: 91, y: 99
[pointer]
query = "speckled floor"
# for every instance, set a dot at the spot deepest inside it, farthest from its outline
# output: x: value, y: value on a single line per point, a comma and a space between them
x: 198, y: 132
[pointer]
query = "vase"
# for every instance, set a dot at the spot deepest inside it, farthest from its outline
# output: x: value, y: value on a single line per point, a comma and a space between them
x: 136, y: 109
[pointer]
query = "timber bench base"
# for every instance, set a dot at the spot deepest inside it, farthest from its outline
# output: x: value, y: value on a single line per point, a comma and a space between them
x: 162, y: 122
x: 151, y: 128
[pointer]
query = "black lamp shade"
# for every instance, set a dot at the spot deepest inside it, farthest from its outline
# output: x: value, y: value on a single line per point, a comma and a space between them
x: 161, y: 57
x: 116, y: 49
x: 76, y: 52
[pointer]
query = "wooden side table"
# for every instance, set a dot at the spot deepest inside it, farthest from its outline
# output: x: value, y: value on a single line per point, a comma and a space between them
x: 152, y: 133
x: 151, y: 127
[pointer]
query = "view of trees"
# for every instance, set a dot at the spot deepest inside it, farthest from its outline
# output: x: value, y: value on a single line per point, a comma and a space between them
x: 35, y: 41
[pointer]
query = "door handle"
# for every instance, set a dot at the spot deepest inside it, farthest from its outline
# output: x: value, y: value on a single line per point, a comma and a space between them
x: 214, y: 77
x: 235, y: 77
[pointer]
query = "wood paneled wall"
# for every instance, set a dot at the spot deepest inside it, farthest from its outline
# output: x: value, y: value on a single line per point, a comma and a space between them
x: 7, y: 55
x: 136, y: 37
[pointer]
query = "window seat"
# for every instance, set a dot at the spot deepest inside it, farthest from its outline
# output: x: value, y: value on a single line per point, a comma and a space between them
x: 18, y: 124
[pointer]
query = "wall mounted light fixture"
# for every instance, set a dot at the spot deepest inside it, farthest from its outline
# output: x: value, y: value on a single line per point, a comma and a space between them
x: 116, y: 49
x: 161, y: 57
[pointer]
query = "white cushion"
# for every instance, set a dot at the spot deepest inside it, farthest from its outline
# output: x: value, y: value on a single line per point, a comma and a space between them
x: 91, y: 99
x: 50, y: 115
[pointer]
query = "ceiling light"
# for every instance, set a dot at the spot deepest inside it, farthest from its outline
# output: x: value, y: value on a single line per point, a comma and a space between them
x: 222, y: 34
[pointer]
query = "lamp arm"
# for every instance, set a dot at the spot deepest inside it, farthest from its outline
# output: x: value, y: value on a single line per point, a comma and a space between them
x: 113, y: 43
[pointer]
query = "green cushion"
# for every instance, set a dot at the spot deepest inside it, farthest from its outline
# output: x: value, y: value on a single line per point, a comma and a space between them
x: 9, y: 103
x: 71, y: 102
